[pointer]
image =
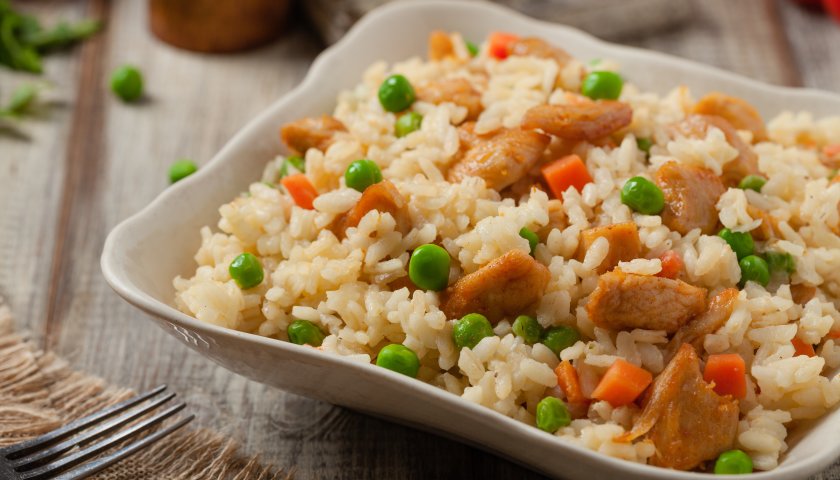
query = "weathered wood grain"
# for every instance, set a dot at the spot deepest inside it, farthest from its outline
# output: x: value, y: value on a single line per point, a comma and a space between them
x: 94, y: 161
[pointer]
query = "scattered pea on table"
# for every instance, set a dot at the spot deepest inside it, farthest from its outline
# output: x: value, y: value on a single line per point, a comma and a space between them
x: 361, y: 174
x: 400, y: 359
x: 246, y: 270
x: 552, y: 414
x: 304, y: 332
x: 127, y: 83
x: 396, y: 93
x: 428, y: 267
x: 181, y: 169
x: 470, y: 329
x: 602, y: 84
x: 643, y: 196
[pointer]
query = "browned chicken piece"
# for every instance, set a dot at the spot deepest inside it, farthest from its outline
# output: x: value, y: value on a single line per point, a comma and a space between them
x: 312, y: 132
x: 440, y: 45
x: 686, y: 420
x: 624, y: 301
x: 690, y: 197
x: 802, y: 293
x: 718, y: 312
x: 556, y: 219
x: 746, y: 163
x: 587, y: 121
x: 734, y: 110
x: 507, y: 286
x: 537, y: 47
x: 500, y: 160
x: 769, y: 225
x: 623, y: 239
x: 455, y: 90
x: 382, y: 196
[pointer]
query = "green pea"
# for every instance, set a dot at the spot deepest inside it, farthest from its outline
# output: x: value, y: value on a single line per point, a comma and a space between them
x: 303, y: 332
x: 532, y: 238
x: 733, y: 462
x: 752, y: 182
x: 428, y: 267
x: 470, y: 329
x: 181, y: 169
x: 295, y: 161
x: 559, y: 338
x: 754, y: 269
x: 643, y: 196
x: 472, y: 48
x: 528, y: 328
x: 741, y: 242
x: 780, y: 262
x: 552, y: 414
x: 407, y: 123
x: 400, y: 359
x: 602, y: 84
x: 362, y: 174
x: 644, y: 144
x: 246, y: 270
x: 396, y: 93
x: 127, y: 83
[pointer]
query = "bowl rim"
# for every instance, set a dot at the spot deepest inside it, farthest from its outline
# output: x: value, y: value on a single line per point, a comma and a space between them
x: 120, y: 282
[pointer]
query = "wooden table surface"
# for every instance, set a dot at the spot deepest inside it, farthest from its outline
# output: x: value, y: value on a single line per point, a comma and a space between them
x: 87, y: 161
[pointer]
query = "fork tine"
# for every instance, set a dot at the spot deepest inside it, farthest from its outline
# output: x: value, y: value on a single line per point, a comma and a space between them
x: 100, y: 464
x: 38, y: 457
x: 27, y: 447
x: 76, y: 458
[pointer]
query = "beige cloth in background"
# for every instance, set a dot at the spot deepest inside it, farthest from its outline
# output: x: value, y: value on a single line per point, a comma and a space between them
x: 39, y: 393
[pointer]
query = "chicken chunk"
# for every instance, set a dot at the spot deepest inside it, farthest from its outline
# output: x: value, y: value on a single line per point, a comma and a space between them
x: 501, y: 159
x: 769, y: 225
x: 690, y: 197
x: 623, y: 239
x: 624, y: 301
x: 440, y: 46
x: 716, y: 314
x: 454, y: 90
x: 686, y: 420
x: 587, y: 121
x: 306, y: 133
x: 746, y: 163
x: 383, y: 197
x: 507, y: 286
x: 734, y: 110
x: 537, y: 47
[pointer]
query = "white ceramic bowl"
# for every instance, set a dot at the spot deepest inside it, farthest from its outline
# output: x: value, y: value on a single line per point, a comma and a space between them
x: 145, y: 252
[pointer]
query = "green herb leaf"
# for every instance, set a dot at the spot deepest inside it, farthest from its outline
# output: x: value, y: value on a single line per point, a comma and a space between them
x: 22, y: 99
x: 61, y: 35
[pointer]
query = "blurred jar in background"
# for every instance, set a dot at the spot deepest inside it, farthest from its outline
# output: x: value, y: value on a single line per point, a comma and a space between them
x: 217, y: 26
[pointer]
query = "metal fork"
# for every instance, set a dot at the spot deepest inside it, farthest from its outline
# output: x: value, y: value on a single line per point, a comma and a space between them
x: 40, y: 458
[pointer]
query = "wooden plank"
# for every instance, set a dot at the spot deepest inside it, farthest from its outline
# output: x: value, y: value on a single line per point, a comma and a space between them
x: 814, y: 38
x: 742, y: 37
x: 32, y: 172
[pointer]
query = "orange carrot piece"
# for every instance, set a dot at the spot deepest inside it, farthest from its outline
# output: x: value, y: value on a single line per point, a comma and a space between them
x: 569, y: 171
x: 726, y: 372
x: 672, y: 264
x: 498, y: 44
x: 802, y: 348
x: 567, y: 379
x: 832, y: 150
x: 301, y: 190
x: 622, y: 383
x: 834, y: 334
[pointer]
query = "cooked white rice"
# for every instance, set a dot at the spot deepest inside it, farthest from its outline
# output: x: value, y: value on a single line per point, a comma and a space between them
x: 338, y: 284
